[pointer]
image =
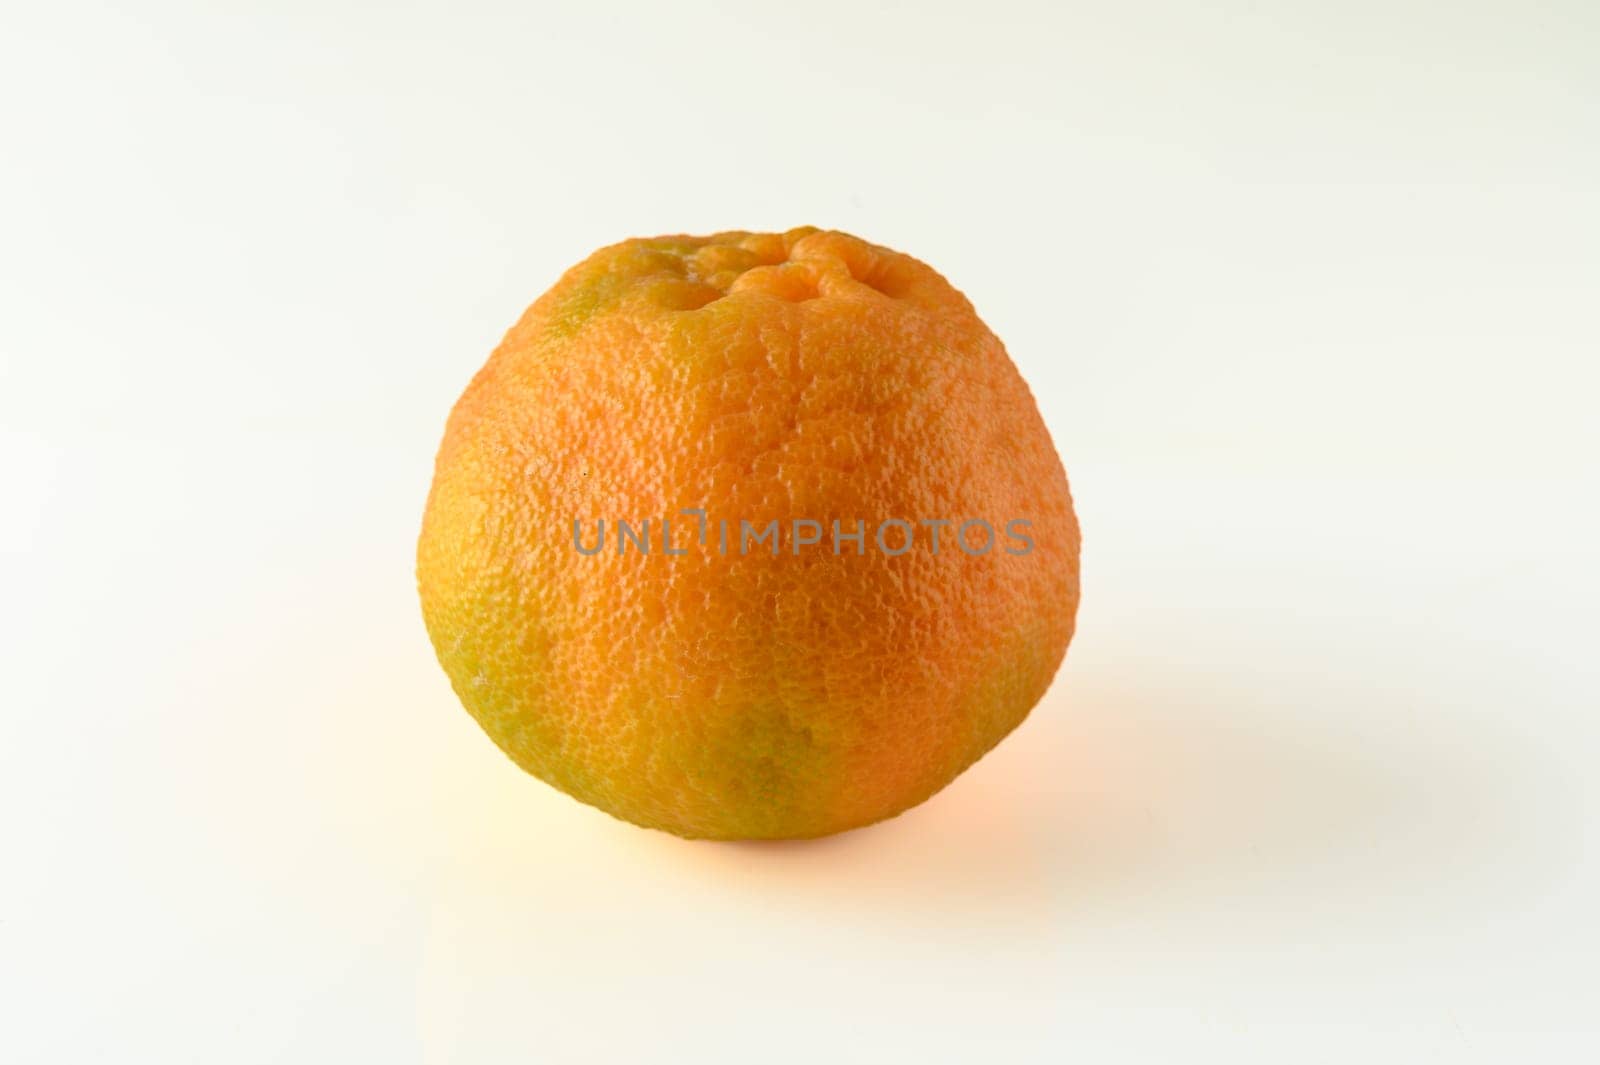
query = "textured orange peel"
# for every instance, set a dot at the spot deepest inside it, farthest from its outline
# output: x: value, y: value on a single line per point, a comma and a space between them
x: 802, y: 377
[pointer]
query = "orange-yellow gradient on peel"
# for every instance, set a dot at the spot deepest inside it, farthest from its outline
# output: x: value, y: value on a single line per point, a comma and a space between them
x: 757, y: 377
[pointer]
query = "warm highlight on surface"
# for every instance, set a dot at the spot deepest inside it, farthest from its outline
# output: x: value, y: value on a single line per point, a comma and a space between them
x: 805, y: 375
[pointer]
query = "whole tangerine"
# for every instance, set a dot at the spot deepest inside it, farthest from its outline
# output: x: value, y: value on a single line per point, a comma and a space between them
x: 753, y: 535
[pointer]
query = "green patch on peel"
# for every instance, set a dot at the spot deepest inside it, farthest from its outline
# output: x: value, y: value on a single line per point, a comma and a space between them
x: 599, y: 295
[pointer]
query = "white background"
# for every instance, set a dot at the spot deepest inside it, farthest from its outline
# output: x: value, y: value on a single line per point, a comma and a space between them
x: 1307, y: 294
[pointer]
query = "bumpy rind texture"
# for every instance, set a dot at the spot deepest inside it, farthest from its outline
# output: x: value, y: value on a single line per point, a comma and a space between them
x: 755, y: 377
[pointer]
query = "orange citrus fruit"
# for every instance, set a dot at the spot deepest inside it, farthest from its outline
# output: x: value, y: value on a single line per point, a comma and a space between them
x: 749, y: 536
